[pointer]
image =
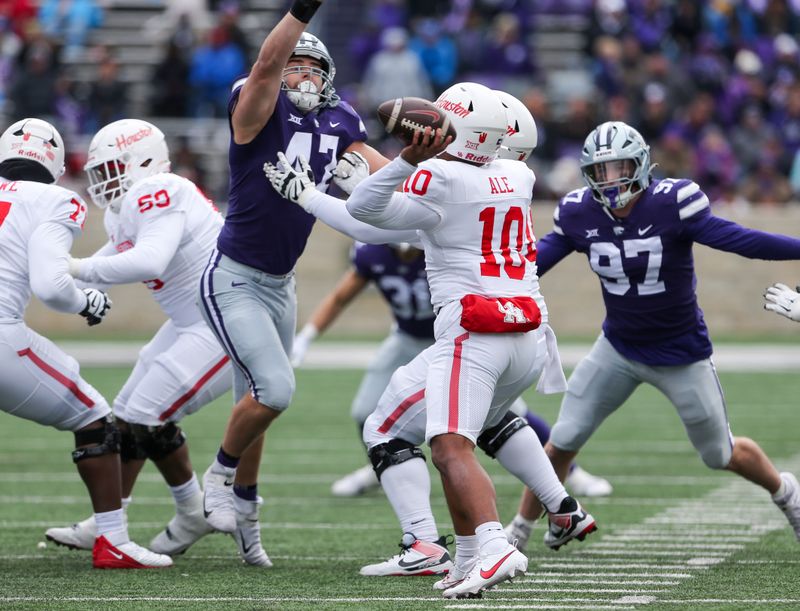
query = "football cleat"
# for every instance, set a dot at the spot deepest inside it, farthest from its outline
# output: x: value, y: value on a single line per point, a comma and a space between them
x: 415, y: 558
x: 518, y: 533
x: 218, y: 507
x: 126, y: 556
x: 455, y: 576
x: 182, y: 531
x: 790, y: 503
x: 356, y: 483
x: 78, y: 536
x: 488, y: 572
x: 248, y: 537
x: 570, y: 522
x: 582, y: 483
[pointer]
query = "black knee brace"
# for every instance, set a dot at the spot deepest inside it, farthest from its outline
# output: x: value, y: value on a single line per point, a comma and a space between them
x: 105, y: 437
x: 129, y: 448
x: 392, y: 453
x: 158, y: 442
x: 491, y: 440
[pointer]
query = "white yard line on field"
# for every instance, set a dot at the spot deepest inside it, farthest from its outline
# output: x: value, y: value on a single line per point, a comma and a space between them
x: 357, y: 355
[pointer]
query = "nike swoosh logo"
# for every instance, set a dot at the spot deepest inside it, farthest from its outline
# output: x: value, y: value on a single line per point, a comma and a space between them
x: 206, y: 513
x: 490, y: 573
x: 116, y: 555
x: 227, y: 483
x: 335, y: 124
x: 409, y: 565
x: 238, y: 283
x: 644, y: 230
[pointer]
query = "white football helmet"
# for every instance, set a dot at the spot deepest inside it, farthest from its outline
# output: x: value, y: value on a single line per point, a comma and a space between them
x: 37, y: 141
x: 479, y: 119
x: 615, y: 163
x: 306, y: 97
x: 121, y: 154
x: 521, y: 134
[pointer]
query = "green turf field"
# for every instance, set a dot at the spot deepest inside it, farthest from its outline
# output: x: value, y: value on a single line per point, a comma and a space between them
x: 674, y: 535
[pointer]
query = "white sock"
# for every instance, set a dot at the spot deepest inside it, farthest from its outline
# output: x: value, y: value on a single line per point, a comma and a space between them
x: 246, y: 507
x: 111, y: 525
x: 491, y: 538
x: 781, y: 492
x: 519, y: 519
x: 126, y: 500
x: 408, y: 488
x: 186, y: 494
x: 467, y: 549
x: 523, y: 456
x: 218, y: 467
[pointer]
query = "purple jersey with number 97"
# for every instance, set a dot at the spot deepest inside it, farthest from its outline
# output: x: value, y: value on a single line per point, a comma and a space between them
x: 262, y: 229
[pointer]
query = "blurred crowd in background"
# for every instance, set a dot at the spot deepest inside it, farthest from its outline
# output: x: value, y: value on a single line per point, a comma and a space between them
x: 713, y: 86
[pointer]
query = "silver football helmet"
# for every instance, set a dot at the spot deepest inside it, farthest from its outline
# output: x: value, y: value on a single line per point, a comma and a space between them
x: 615, y: 163
x: 305, y: 96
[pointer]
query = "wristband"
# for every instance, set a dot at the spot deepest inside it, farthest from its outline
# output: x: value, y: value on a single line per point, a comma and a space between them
x: 303, y: 10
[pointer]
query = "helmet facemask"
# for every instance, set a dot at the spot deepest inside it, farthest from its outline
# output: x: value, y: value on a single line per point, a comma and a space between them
x: 613, y: 183
x: 307, y: 96
x: 109, y: 181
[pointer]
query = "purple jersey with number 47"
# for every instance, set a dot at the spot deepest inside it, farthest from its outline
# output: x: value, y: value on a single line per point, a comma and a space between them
x: 646, y: 268
x: 262, y: 229
x: 404, y: 286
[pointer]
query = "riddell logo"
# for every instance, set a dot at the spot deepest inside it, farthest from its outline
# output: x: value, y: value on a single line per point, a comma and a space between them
x: 477, y: 158
x: 126, y: 141
x: 454, y: 107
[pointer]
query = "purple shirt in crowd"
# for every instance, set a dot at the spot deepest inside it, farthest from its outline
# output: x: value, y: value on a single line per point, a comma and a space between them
x: 262, y: 229
x: 645, y: 265
x: 404, y: 286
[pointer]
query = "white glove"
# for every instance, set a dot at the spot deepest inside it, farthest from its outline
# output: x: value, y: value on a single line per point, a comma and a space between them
x: 97, y: 306
x: 296, y: 186
x: 301, y: 343
x: 351, y: 170
x: 783, y: 300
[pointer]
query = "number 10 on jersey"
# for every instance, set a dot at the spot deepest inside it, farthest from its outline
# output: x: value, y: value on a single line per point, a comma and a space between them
x: 512, y: 261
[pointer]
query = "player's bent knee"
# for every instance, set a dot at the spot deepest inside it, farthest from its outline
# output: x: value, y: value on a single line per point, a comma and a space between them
x: 394, y: 452
x: 158, y: 442
x: 715, y: 455
x: 96, y: 441
x: 491, y: 440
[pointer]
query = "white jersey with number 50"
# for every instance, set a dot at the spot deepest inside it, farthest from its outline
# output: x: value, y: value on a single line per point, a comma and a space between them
x: 484, y: 243
x: 25, y: 207
x: 148, y: 203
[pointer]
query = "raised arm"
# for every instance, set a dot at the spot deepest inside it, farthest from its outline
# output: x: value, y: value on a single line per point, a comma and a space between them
x: 259, y: 93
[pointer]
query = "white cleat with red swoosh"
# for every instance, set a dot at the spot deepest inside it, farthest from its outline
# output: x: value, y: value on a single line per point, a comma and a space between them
x: 488, y: 572
x: 126, y: 556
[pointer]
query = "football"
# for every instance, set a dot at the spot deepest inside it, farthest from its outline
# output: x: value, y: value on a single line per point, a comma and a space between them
x: 403, y: 116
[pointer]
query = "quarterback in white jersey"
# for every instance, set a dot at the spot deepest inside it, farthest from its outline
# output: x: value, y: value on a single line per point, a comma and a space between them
x: 38, y: 381
x: 161, y: 231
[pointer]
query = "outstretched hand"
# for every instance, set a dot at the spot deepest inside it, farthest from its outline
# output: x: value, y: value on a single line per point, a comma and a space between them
x: 783, y: 300
x: 425, y: 145
x: 294, y: 185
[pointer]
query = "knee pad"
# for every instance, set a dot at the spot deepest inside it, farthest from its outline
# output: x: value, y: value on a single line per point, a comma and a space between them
x: 106, y: 440
x: 491, y: 440
x: 158, y: 442
x: 392, y: 453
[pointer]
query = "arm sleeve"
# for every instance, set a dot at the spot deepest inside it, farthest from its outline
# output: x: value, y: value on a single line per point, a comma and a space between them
x: 48, y: 269
x: 156, y: 245
x: 550, y: 250
x: 726, y: 235
x: 332, y: 212
x: 375, y: 201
